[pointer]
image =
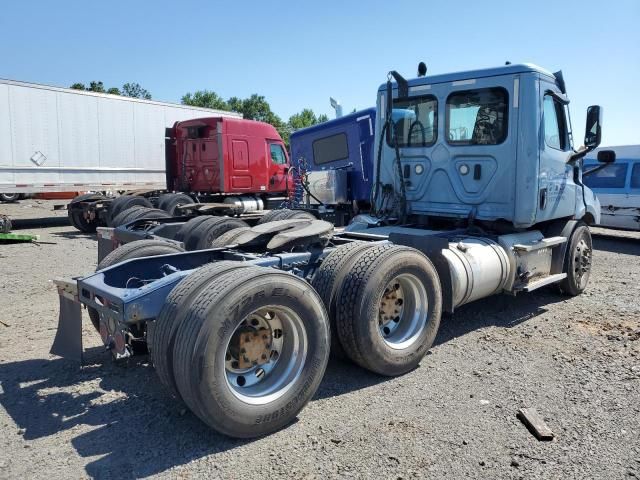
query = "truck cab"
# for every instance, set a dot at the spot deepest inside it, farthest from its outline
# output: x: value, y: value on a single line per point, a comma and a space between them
x: 490, y: 145
x: 230, y: 156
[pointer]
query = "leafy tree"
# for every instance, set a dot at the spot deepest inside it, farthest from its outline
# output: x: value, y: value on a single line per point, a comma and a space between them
x: 205, y: 99
x: 96, y: 87
x: 134, y: 90
x: 306, y: 118
x: 257, y: 108
x: 128, y: 89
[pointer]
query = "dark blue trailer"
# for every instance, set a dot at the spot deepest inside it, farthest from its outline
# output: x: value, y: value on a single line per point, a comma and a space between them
x: 336, y: 157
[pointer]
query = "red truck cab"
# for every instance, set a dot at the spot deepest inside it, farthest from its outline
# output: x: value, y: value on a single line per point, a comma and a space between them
x: 220, y: 155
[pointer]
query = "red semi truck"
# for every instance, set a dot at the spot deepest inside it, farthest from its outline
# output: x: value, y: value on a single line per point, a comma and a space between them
x: 219, y: 165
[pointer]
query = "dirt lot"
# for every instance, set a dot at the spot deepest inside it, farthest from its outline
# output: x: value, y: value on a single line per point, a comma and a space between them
x: 576, y: 360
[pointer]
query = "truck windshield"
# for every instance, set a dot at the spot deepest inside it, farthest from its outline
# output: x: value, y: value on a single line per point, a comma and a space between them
x: 414, y: 122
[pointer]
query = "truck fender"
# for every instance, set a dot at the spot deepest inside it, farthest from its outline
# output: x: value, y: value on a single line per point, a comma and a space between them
x: 560, y: 228
x: 432, y: 247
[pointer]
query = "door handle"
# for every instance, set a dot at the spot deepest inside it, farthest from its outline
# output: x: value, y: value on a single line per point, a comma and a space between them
x: 543, y: 198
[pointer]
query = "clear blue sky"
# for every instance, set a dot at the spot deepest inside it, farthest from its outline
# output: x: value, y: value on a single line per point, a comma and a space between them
x: 298, y: 53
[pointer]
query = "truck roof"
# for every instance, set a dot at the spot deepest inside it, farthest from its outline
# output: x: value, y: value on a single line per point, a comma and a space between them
x: 236, y: 126
x: 334, y: 122
x: 471, y: 74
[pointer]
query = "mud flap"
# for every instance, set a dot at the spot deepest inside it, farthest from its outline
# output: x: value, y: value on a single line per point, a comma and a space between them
x: 68, y: 341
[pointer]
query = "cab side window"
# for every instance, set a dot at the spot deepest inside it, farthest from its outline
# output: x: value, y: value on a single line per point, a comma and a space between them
x: 635, y: 176
x: 555, y: 130
x: 277, y: 154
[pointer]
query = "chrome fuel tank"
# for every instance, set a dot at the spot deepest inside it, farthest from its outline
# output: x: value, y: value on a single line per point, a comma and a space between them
x: 479, y: 267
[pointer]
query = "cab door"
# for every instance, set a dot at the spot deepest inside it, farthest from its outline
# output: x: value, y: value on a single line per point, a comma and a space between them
x: 556, y: 188
x: 278, y: 167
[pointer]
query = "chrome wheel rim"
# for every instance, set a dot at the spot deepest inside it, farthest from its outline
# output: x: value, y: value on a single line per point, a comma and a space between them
x: 582, y: 263
x: 403, y: 311
x: 265, y: 354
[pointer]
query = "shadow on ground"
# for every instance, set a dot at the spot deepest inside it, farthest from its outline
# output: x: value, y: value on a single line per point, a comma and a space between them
x: 139, y: 430
x: 617, y: 244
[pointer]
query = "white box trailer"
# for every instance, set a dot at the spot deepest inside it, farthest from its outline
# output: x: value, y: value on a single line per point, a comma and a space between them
x: 57, y: 139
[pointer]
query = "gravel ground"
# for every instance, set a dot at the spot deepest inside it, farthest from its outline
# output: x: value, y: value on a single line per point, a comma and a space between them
x: 577, y: 361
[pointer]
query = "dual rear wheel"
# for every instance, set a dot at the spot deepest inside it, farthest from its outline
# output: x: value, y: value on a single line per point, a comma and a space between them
x: 245, y: 347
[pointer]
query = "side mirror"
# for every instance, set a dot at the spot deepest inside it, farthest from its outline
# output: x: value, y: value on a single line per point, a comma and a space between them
x: 593, y: 128
x: 606, y: 156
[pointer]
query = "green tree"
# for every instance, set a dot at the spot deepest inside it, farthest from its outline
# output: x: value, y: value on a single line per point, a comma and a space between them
x: 134, y: 90
x: 128, y: 89
x: 306, y: 118
x: 96, y: 87
x: 205, y: 99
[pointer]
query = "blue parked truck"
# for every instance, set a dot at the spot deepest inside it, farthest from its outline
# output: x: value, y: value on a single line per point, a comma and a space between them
x: 476, y: 191
x: 332, y: 165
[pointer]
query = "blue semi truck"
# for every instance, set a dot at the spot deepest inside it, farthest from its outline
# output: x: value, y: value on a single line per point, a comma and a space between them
x: 332, y: 165
x: 476, y: 190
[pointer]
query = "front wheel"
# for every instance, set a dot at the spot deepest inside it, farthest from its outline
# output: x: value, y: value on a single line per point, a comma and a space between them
x: 577, y: 262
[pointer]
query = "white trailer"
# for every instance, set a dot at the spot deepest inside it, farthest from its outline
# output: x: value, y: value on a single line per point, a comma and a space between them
x: 62, y: 140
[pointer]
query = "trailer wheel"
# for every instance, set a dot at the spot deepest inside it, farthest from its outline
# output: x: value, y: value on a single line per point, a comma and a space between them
x: 228, y: 238
x: 328, y: 281
x: 272, y: 215
x: 76, y: 215
x: 577, y: 261
x: 208, y: 232
x: 251, y: 351
x: 162, y: 331
x: 169, y: 202
x: 191, y: 224
x: 123, y: 203
x: 194, y: 239
x: 9, y: 197
x: 136, y: 249
x: 388, y: 310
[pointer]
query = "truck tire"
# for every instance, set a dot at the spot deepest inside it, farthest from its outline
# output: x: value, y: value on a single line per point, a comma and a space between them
x: 123, y: 203
x: 194, y: 236
x: 577, y: 261
x: 388, y: 310
x: 210, y: 231
x: 162, y: 331
x: 228, y: 238
x: 272, y: 215
x: 123, y: 216
x: 191, y: 224
x: 146, y: 212
x: 328, y: 281
x: 136, y: 249
x: 9, y: 197
x: 288, y: 214
x: 286, y: 348
x: 170, y: 201
x: 76, y: 214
